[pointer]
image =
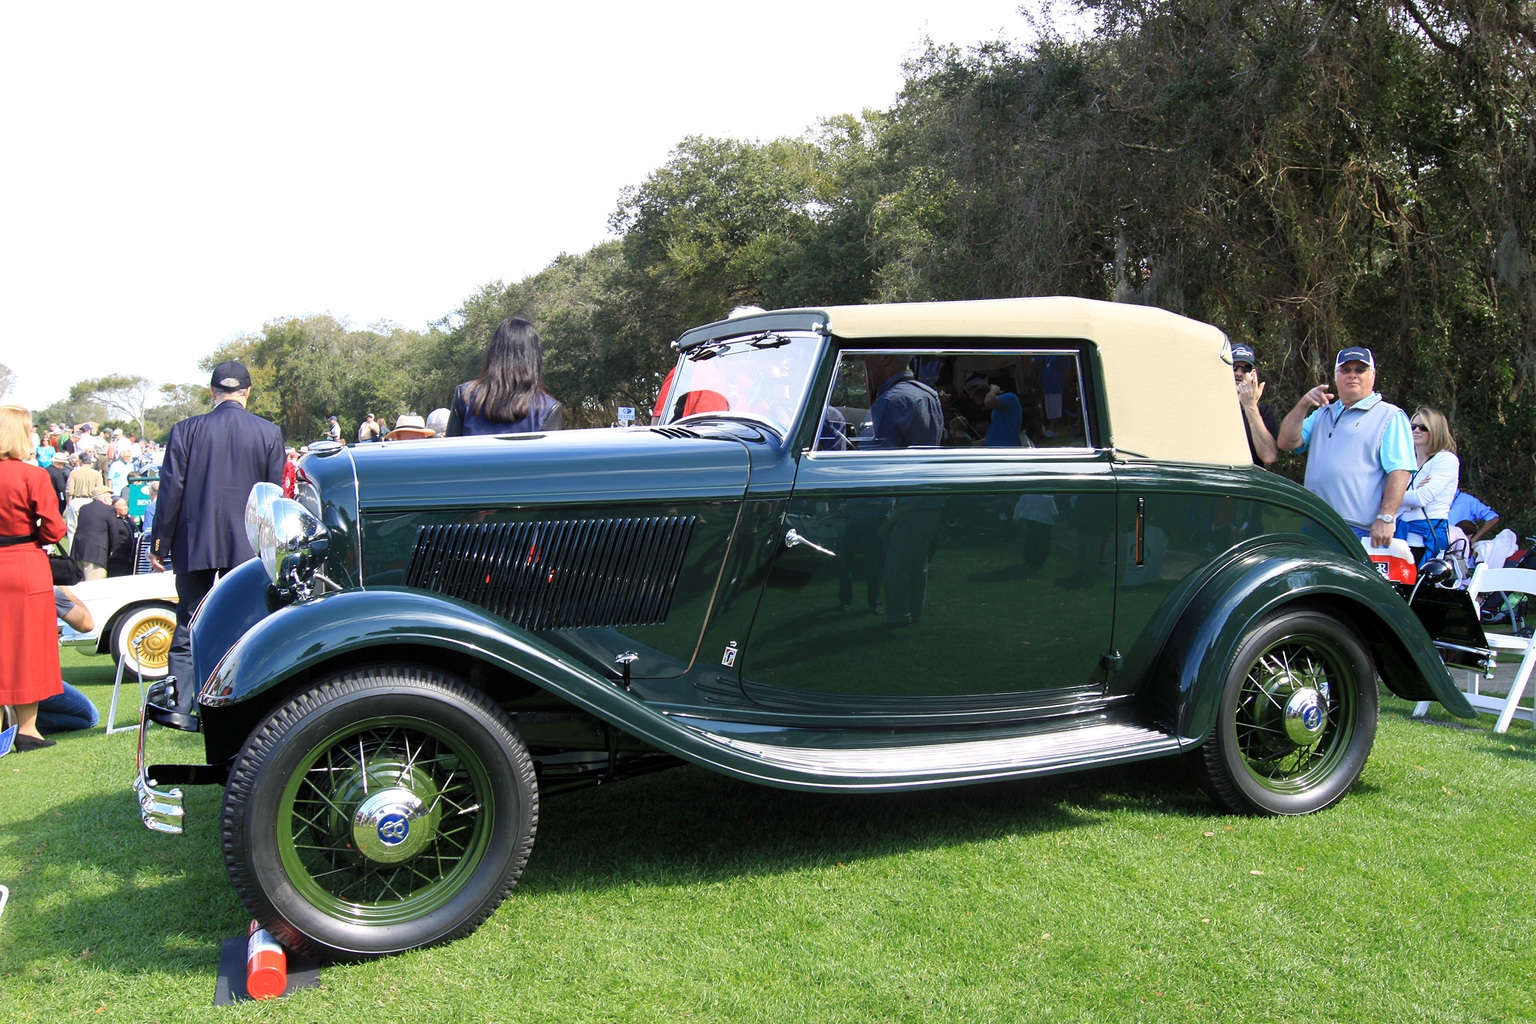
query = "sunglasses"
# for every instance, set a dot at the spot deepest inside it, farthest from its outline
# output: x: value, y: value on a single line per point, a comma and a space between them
x: 1417, y: 427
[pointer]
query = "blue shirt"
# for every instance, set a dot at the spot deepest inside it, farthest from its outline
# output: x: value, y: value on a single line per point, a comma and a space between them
x: 1467, y: 509
x: 1396, y: 450
x: 1351, y: 453
x: 1007, y: 421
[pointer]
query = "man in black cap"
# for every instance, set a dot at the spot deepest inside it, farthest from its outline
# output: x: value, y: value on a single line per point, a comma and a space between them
x: 1258, y: 417
x: 211, y: 463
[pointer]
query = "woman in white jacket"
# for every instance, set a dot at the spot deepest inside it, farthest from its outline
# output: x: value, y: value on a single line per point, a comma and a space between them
x: 1423, y: 519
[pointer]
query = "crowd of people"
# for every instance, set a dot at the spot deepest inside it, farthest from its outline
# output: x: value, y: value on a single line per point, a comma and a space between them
x: 68, y: 486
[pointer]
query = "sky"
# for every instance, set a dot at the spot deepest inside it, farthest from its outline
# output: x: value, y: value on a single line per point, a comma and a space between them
x: 178, y: 174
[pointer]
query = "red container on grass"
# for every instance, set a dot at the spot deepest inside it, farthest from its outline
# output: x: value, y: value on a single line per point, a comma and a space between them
x: 266, y: 965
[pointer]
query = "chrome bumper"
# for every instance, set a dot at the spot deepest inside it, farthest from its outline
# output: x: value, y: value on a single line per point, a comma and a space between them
x: 160, y: 809
x: 1475, y: 659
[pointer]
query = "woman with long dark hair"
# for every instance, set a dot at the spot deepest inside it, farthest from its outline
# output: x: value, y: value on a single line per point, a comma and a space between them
x: 508, y: 397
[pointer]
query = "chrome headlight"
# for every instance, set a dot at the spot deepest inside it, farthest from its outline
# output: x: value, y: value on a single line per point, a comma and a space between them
x: 292, y: 543
x: 261, y: 498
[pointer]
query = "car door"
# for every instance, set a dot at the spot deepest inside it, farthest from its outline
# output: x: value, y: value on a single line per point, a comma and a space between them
x: 948, y: 578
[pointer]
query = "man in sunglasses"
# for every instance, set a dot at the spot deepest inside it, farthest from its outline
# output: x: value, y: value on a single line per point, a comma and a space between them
x: 1359, y: 447
x: 1259, y: 418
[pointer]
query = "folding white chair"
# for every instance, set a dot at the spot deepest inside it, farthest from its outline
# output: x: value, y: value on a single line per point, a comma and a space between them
x: 1487, y: 580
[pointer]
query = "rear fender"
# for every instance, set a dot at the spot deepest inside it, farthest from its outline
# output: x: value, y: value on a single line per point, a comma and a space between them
x: 1193, y: 667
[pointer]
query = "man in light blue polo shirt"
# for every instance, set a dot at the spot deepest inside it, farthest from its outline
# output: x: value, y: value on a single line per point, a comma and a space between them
x: 1359, y: 448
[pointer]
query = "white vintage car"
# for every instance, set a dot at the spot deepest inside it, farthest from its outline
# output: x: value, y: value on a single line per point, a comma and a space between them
x: 133, y: 617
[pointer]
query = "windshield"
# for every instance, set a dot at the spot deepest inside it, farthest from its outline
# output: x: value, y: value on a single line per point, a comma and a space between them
x: 763, y: 376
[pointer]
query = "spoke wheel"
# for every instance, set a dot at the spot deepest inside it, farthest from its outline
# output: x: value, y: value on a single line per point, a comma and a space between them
x: 382, y: 810
x: 1297, y: 718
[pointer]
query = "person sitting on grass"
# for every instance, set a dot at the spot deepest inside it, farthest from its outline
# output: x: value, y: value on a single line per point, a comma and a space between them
x: 70, y: 710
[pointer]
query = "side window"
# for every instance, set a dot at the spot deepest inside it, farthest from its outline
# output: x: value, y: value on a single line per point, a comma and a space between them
x: 954, y: 398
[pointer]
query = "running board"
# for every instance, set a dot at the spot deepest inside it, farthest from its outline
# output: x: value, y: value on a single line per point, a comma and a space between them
x: 947, y: 763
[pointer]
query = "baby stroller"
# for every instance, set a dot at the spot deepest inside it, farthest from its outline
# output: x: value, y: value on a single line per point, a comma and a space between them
x: 1500, y: 609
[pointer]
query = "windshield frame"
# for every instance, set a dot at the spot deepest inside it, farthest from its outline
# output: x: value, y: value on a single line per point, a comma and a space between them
x: 757, y: 351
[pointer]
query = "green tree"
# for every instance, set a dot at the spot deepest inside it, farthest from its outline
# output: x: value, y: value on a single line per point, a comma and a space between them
x: 600, y: 350
x: 177, y: 402
x: 726, y: 223
x: 126, y: 395
x: 1305, y: 176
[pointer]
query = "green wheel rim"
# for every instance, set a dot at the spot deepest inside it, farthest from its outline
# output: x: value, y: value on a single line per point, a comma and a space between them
x: 315, y: 816
x: 1275, y: 760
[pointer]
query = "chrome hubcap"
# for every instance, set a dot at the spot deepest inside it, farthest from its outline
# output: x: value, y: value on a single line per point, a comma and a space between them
x: 1304, y: 716
x: 387, y: 811
x: 391, y: 825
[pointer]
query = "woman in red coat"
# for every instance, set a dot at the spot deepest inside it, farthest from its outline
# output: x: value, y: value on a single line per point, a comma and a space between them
x: 29, y: 519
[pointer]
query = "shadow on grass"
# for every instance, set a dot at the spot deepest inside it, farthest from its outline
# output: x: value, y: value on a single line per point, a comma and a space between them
x: 690, y: 825
x: 94, y: 882
x: 1515, y: 745
x: 93, y: 879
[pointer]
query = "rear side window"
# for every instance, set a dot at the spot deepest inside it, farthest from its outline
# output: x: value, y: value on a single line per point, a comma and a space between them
x: 955, y: 398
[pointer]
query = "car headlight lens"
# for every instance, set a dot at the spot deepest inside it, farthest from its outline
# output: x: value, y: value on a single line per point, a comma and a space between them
x: 261, y: 498
x: 292, y: 543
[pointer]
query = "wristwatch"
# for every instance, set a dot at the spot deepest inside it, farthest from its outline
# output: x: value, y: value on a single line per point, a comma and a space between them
x: 1389, y: 520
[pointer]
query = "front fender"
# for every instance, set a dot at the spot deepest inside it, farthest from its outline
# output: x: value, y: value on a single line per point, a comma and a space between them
x: 300, y: 637
x: 1195, y: 663
x: 237, y: 602
x: 295, y: 639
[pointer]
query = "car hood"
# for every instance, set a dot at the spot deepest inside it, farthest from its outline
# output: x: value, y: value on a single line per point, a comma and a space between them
x: 564, y: 467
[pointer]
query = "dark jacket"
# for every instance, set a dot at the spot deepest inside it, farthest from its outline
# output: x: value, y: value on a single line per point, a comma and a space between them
x: 211, y: 463
x: 100, y: 534
x: 60, y: 477
x: 121, y: 559
x: 463, y: 421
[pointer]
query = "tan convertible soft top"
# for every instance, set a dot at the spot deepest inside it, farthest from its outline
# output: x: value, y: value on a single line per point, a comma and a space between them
x: 1168, y: 378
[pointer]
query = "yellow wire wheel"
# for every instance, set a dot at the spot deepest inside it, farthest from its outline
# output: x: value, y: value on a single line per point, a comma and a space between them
x: 143, y: 640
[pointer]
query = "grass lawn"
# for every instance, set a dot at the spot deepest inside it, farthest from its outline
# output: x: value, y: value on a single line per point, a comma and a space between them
x: 1114, y: 895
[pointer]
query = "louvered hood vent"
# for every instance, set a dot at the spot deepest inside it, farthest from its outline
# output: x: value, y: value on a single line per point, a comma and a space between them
x: 556, y: 575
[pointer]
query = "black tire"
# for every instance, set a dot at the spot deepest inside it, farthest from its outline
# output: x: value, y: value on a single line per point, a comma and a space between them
x: 334, y: 823
x: 1297, y: 718
x: 152, y: 625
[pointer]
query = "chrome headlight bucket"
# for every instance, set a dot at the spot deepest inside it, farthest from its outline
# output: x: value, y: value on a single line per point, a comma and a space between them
x: 292, y: 545
x: 260, y: 500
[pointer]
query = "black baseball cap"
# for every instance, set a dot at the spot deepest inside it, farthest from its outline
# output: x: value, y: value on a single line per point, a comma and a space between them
x: 1244, y: 354
x: 230, y: 375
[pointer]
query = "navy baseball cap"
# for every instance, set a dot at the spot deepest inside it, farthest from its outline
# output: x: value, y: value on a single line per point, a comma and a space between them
x: 1355, y: 355
x: 230, y: 375
x: 1244, y: 354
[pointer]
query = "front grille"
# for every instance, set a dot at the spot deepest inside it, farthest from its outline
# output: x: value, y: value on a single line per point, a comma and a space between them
x: 560, y: 574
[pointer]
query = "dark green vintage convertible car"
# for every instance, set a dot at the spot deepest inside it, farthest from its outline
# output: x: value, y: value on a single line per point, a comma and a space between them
x: 864, y: 548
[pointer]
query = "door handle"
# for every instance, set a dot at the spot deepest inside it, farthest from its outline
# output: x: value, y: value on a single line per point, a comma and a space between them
x: 793, y: 539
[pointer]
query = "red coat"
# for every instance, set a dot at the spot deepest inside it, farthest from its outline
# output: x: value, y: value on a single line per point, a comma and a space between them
x: 29, y: 639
